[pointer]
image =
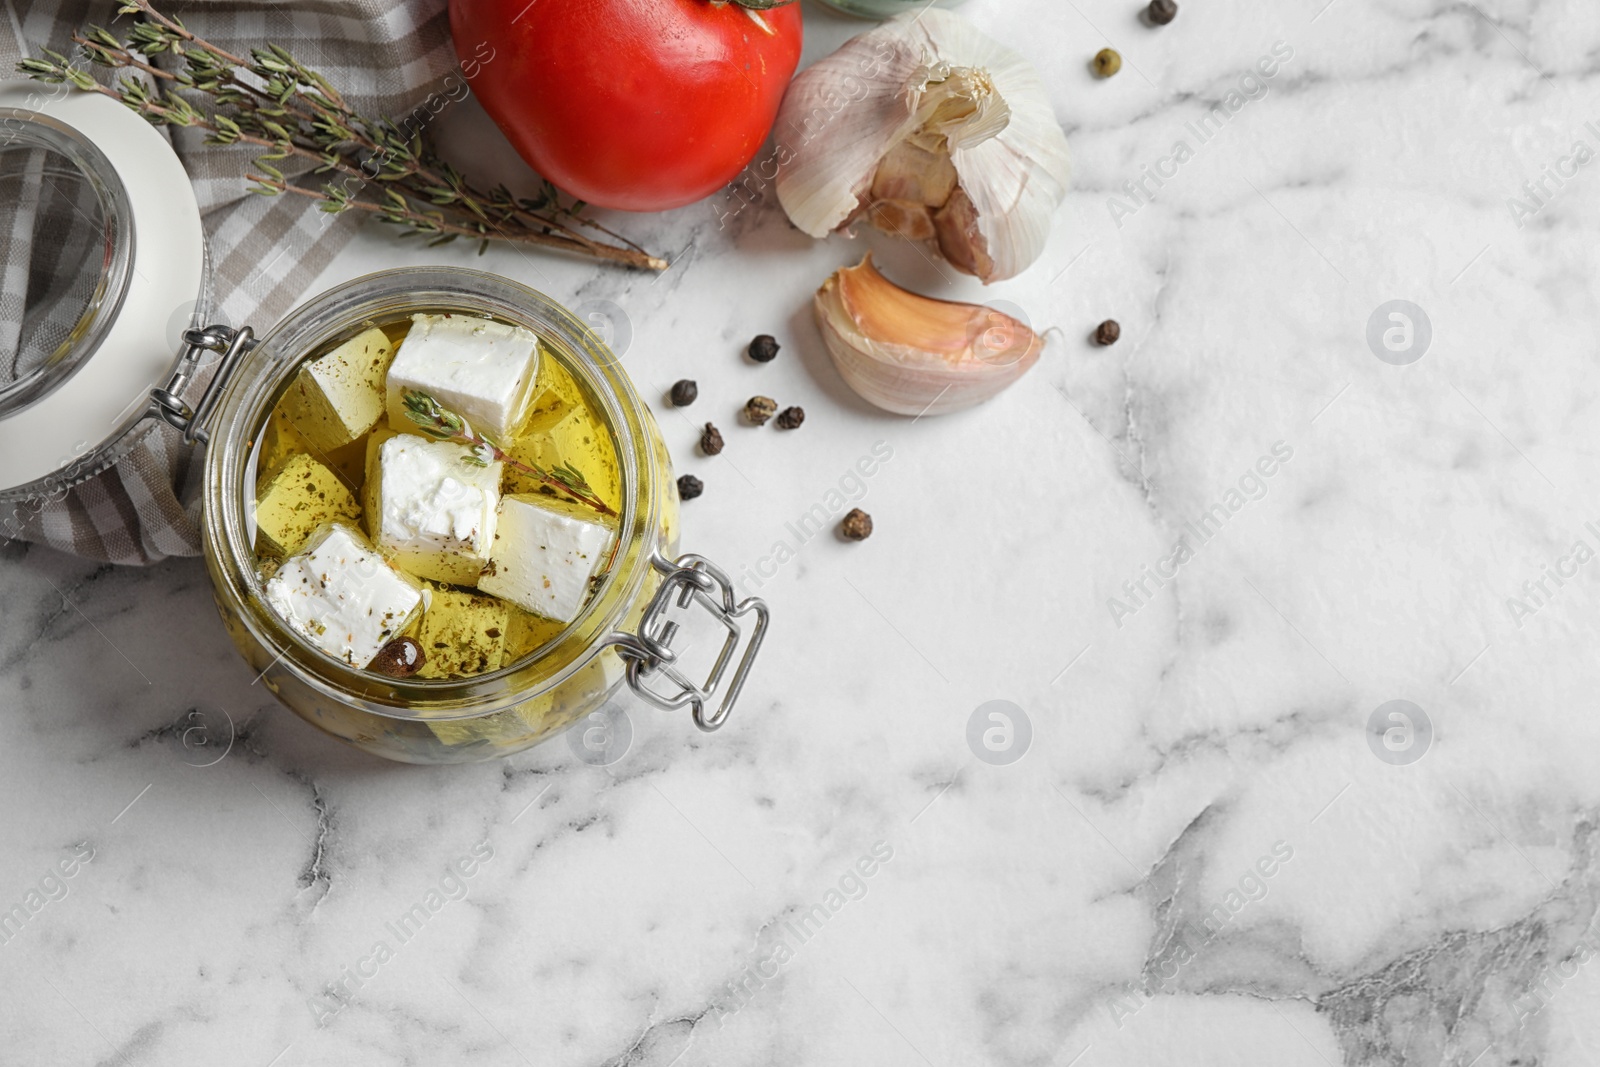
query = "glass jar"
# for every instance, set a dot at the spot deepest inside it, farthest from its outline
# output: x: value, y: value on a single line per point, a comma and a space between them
x: 625, y: 632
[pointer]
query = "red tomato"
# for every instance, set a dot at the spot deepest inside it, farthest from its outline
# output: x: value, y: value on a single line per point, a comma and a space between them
x: 634, y: 104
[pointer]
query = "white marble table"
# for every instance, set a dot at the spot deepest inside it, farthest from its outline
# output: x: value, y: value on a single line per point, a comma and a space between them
x: 1206, y: 853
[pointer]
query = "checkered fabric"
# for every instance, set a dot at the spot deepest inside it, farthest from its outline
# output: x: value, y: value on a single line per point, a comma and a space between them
x: 385, y: 56
x: 49, y: 270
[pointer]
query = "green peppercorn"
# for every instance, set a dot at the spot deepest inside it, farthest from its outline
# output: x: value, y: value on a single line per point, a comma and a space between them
x: 856, y: 525
x: 1107, y: 62
x: 758, y: 409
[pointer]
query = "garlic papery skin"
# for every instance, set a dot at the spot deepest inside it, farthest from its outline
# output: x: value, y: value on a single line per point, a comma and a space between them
x: 912, y: 354
x: 929, y: 130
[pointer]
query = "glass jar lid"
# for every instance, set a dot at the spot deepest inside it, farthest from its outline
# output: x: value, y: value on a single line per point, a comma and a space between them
x: 102, y: 259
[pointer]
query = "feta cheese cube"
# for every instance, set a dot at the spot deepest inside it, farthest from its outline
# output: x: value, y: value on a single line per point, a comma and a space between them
x: 296, y: 499
x: 528, y: 632
x: 463, y: 633
x: 572, y: 441
x: 544, y: 553
x: 554, y: 394
x: 279, y: 441
x: 336, y: 398
x: 480, y: 369
x: 343, y: 596
x: 432, y: 508
x: 369, y: 476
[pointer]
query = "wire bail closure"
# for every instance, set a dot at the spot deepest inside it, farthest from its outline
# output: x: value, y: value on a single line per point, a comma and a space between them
x: 650, y: 653
x: 167, y: 403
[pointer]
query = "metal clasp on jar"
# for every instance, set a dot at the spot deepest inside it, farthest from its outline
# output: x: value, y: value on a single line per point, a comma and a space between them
x: 167, y: 403
x: 650, y: 654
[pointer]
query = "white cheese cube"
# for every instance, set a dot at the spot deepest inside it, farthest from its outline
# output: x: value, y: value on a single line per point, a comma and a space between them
x: 480, y: 369
x: 431, y: 508
x: 543, y: 555
x: 343, y: 596
x: 338, y: 397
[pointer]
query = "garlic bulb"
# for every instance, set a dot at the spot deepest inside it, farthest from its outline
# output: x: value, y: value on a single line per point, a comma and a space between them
x: 929, y: 130
x: 915, y: 355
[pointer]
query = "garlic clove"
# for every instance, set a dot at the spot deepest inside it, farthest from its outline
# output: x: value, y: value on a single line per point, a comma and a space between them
x: 961, y: 239
x: 913, y: 354
x: 910, y: 172
x: 903, y: 218
x: 909, y: 185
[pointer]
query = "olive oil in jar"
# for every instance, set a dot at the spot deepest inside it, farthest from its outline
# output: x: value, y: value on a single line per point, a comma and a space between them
x: 336, y: 424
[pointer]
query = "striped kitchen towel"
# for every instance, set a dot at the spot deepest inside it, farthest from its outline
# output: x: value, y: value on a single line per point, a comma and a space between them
x: 385, y: 57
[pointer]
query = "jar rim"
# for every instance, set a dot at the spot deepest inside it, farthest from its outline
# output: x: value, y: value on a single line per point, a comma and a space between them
x: 338, y: 313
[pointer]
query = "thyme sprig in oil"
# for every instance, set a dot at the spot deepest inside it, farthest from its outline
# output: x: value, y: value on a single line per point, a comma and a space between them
x: 440, y: 423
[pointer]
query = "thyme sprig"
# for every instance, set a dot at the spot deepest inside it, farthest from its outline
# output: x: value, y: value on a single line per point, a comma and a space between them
x: 271, y: 101
x: 442, y: 424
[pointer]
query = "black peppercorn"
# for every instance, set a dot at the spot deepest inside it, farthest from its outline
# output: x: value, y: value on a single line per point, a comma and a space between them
x: 1107, y: 332
x: 856, y: 525
x: 1161, y: 12
x: 764, y: 349
x: 400, y: 658
x: 690, y: 487
x: 684, y: 392
x: 791, y: 418
x: 711, y: 440
x: 758, y: 409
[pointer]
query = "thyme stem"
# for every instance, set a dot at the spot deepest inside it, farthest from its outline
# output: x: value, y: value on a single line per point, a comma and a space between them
x: 434, y: 224
x: 442, y: 424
